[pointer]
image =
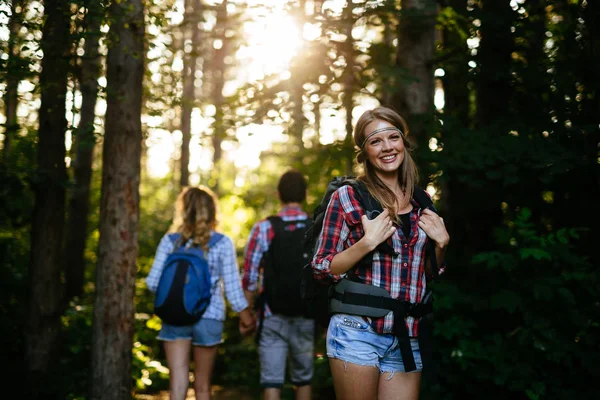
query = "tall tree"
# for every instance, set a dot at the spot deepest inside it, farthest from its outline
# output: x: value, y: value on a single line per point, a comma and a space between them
x: 218, y: 69
x: 494, y: 62
x: 493, y: 104
x: 119, y: 208
x: 14, y: 72
x: 576, y: 106
x: 414, y: 62
x: 298, y: 72
x: 84, y: 142
x: 191, y: 34
x: 454, y: 58
x: 45, y: 289
x: 349, y: 78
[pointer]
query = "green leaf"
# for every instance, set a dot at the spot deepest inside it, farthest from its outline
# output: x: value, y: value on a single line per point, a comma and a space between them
x: 566, y: 295
x: 525, y: 214
x: 505, y: 299
x: 538, y: 254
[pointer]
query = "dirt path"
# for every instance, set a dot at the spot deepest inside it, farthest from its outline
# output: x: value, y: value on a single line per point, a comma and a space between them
x: 217, y: 392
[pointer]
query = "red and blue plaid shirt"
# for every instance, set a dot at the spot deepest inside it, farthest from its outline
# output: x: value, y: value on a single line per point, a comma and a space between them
x: 260, y: 239
x: 402, y: 274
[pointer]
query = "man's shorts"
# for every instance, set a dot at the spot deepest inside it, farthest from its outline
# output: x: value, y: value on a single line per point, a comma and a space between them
x: 205, y: 332
x: 351, y: 339
x: 282, y: 336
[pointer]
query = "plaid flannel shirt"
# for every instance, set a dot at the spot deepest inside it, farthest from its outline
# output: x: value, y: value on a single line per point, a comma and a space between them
x: 259, y: 241
x: 224, y: 273
x: 402, y: 274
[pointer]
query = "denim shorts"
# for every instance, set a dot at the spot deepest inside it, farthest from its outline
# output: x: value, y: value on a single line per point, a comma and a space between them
x: 351, y: 339
x: 205, y: 332
x: 286, y: 340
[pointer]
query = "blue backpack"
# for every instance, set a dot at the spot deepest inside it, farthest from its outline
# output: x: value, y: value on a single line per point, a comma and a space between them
x: 183, y: 292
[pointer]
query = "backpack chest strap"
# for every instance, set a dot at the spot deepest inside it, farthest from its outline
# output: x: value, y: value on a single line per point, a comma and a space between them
x: 415, y: 310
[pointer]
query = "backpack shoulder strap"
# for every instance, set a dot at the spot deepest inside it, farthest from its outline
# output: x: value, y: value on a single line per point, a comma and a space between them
x: 425, y: 202
x: 175, y: 238
x: 369, y: 203
x: 277, y: 223
x: 423, y: 199
x: 215, y: 238
x: 371, y: 206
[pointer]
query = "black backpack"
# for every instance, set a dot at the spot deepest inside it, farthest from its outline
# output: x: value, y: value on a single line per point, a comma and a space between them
x: 282, y: 267
x: 317, y: 293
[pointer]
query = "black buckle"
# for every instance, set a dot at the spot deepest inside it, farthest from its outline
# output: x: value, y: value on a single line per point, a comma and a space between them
x: 409, y: 308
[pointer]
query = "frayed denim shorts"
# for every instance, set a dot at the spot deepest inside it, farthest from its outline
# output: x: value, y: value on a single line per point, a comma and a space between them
x: 351, y: 339
x: 205, y: 332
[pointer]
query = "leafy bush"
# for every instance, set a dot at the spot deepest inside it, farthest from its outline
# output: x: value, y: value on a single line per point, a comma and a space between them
x: 520, y: 321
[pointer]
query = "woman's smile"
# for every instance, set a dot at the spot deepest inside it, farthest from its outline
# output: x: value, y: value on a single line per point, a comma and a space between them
x: 384, y: 149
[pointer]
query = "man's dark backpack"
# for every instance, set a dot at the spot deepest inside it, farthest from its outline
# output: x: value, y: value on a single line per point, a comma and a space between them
x: 351, y: 296
x: 283, y: 264
x: 184, y: 288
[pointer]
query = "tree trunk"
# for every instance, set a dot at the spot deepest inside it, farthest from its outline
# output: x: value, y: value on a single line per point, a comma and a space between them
x: 387, y: 83
x: 416, y: 45
x: 84, y: 140
x: 296, y: 82
x: 113, y: 323
x: 12, y: 80
x: 457, y: 105
x: 218, y: 74
x: 349, y: 81
x: 472, y: 218
x: 494, y: 60
x: 318, y: 117
x: 43, y: 319
x: 456, y: 78
x: 297, y: 122
x: 193, y: 12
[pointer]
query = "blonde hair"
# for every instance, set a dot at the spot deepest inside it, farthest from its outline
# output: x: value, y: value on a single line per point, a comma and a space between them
x: 195, y: 215
x: 408, y: 175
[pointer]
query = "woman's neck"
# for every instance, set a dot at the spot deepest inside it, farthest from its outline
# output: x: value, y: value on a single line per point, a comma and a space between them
x: 403, y: 204
x: 390, y: 180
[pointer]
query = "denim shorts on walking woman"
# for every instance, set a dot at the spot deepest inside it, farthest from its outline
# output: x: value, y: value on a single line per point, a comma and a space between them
x: 205, y: 332
x: 351, y: 339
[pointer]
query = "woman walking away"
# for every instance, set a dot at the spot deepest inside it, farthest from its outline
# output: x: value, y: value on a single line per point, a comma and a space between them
x: 377, y: 356
x: 194, y: 227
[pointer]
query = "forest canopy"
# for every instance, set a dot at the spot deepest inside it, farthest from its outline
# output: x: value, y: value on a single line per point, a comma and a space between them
x: 109, y: 108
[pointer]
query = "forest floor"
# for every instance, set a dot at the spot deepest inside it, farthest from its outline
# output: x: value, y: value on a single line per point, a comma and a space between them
x: 217, y: 393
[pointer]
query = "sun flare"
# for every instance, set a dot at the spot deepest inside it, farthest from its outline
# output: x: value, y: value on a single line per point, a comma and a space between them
x: 272, y: 41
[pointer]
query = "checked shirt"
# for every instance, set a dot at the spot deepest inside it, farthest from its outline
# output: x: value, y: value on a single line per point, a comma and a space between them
x: 402, y: 274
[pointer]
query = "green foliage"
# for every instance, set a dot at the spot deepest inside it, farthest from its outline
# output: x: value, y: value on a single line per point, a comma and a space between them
x: 520, y: 321
x: 149, y: 367
x: 71, y: 377
x: 517, y: 309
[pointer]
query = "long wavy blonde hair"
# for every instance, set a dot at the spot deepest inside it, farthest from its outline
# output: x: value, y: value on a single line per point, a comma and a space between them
x: 195, y: 215
x: 408, y: 175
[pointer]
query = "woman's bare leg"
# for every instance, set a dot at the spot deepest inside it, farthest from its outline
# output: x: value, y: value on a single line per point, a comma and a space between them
x: 178, y: 361
x: 402, y: 386
x: 204, y: 362
x: 354, y: 382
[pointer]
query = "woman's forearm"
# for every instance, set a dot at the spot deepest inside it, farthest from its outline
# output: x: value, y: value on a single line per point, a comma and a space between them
x: 348, y: 258
x: 440, y: 255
